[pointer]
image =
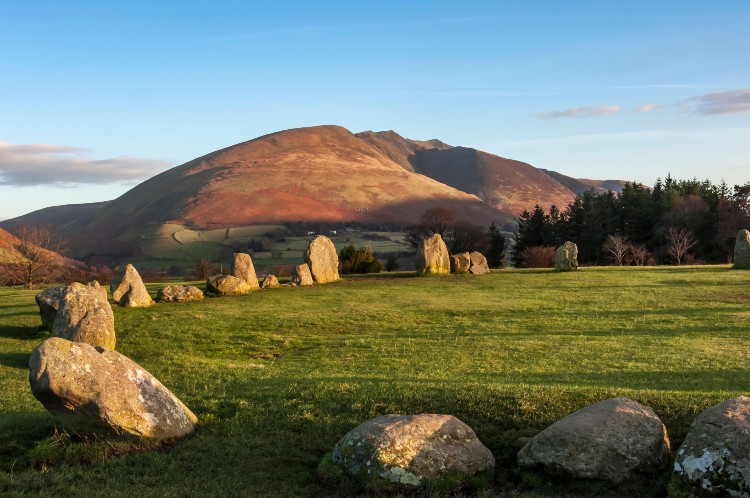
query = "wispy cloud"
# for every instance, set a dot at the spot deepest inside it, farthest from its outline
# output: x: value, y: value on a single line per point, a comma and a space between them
x: 582, y: 112
x: 64, y: 166
x: 727, y: 102
x: 643, y: 109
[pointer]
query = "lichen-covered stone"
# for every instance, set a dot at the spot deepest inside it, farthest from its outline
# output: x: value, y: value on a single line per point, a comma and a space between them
x: 227, y: 285
x: 128, y: 289
x: 270, y: 282
x: 432, y: 256
x: 85, y: 315
x: 460, y: 263
x: 178, y: 293
x: 615, y: 440
x: 47, y: 301
x: 323, y: 260
x: 97, y: 391
x: 566, y: 257
x: 479, y: 264
x: 301, y: 275
x: 407, y: 449
x: 715, y: 455
x: 244, y: 269
x: 742, y: 250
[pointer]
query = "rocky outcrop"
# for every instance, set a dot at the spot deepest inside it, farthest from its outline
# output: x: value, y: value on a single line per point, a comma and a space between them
x: 615, y: 440
x: 97, y: 391
x: 301, y: 275
x: 243, y: 269
x: 742, y: 250
x: 323, y: 260
x: 85, y: 315
x: 715, y: 455
x: 128, y: 289
x: 270, y: 282
x: 47, y: 301
x: 227, y: 285
x: 460, y: 263
x: 566, y: 257
x: 409, y: 449
x: 178, y: 293
x: 479, y: 264
x: 432, y: 256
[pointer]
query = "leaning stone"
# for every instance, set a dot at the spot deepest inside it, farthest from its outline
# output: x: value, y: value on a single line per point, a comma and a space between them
x: 323, y: 260
x: 409, y: 449
x: 460, y: 263
x: 270, y: 282
x: 742, y: 250
x: 566, y: 257
x: 178, y: 293
x: 47, y: 301
x: 615, y: 440
x: 85, y: 315
x: 432, y: 256
x: 301, y: 275
x: 227, y: 285
x: 243, y: 269
x: 97, y: 391
x: 715, y: 455
x: 128, y: 289
x: 479, y: 264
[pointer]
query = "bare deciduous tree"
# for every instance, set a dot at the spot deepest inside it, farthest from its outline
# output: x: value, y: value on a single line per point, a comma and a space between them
x: 35, y: 258
x: 203, y: 269
x: 639, y: 254
x: 681, y: 241
x: 618, y: 246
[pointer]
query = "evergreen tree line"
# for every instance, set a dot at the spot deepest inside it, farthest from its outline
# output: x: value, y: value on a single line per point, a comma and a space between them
x: 675, y: 221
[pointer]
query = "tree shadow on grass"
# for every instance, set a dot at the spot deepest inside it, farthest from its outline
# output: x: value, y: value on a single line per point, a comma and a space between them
x: 15, y: 360
x: 20, y: 333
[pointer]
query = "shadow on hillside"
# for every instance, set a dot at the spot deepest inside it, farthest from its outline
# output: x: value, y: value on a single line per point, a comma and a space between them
x: 15, y: 360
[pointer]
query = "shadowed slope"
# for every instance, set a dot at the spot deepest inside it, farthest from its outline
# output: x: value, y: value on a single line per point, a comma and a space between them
x: 399, y: 149
x: 581, y: 185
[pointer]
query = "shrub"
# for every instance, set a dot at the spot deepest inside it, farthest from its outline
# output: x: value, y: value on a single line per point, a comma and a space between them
x: 353, y: 260
x: 538, y: 257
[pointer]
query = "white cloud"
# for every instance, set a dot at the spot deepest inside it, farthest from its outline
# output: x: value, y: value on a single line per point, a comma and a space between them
x: 649, y: 108
x: 583, y: 112
x: 727, y: 102
x: 64, y: 166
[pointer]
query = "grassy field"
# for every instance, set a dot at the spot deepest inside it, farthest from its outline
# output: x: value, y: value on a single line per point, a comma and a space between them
x: 277, y: 377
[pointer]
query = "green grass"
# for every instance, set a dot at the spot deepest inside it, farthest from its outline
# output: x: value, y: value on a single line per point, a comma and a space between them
x: 277, y: 377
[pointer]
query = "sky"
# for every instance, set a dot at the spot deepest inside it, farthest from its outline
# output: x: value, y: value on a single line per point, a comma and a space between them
x: 96, y: 97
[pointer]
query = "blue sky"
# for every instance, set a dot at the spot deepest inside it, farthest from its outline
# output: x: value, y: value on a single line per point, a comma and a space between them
x: 96, y: 96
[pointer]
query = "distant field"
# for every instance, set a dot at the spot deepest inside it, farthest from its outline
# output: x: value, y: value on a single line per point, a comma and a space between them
x: 278, y: 376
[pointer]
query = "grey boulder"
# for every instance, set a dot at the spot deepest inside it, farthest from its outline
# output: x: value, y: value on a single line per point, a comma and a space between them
x: 128, y: 289
x: 85, y: 315
x: 47, y: 301
x: 566, y: 257
x: 244, y: 269
x: 323, y: 260
x: 178, y: 293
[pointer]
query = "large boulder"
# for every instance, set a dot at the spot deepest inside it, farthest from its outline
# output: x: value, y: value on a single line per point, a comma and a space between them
x: 128, y: 289
x: 270, y: 282
x: 47, y: 301
x: 566, y: 257
x: 301, y: 275
x: 323, y: 260
x: 407, y: 449
x: 715, y: 455
x: 178, y: 293
x: 479, y: 264
x: 85, y: 315
x: 97, y: 391
x: 460, y: 263
x: 227, y: 285
x: 615, y: 440
x: 742, y: 250
x: 243, y: 269
x: 432, y: 256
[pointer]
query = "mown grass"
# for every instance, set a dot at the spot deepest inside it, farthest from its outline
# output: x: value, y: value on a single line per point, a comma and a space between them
x: 277, y: 377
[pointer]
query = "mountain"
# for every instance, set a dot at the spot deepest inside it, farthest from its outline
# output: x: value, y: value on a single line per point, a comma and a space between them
x: 581, y: 185
x: 505, y: 184
x: 7, y: 252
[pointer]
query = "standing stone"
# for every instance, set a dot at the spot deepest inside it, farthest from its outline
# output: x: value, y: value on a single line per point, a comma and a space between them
x: 323, y: 260
x: 84, y: 315
x: 301, y: 275
x: 407, y: 449
x: 566, y: 257
x: 460, y: 263
x: 715, y: 455
x: 178, y: 293
x: 128, y: 289
x: 432, y: 256
x: 615, y: 440
x: 227, y: 285
x: 97, y: 391
x: 742, y: 250
x: 47, y: 301
x: 479, y: 264
x: 243, y: 269
x: 270, y: 282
